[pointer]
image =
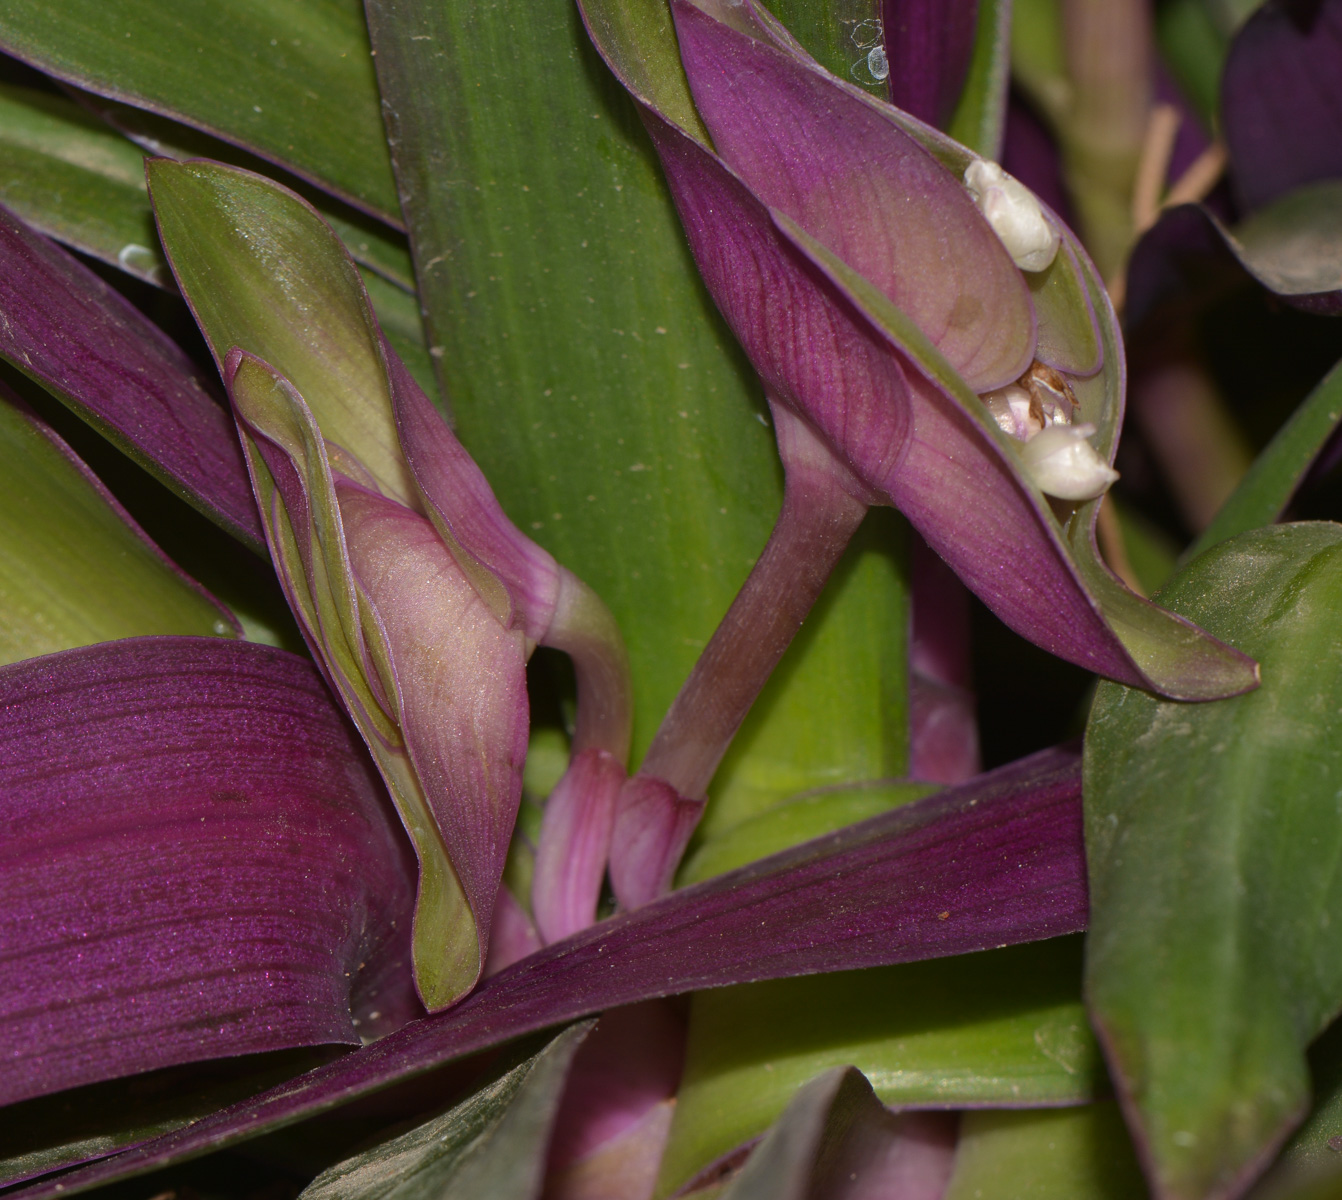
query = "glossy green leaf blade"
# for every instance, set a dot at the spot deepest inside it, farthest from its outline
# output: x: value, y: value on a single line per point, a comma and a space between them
x: 1263, y: 494
x: 1005, y: 1027
x: 1072, y: 1154
x: 492, y: 1144
x: 291, y: 80
x: 74, y: 568
x: 586, y: 368
x: 1214, y: 844
x: 979, y: 120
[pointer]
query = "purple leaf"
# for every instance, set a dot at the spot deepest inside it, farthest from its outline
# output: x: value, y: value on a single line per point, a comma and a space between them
x: 928, y: 46
x: 994, y: 862
x: 90, y: 347
x: 1281, y: 99
x: 197, y: 863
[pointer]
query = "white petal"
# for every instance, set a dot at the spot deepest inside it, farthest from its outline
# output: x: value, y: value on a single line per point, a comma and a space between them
x: 1061, y: 462
x: 1015, y: 215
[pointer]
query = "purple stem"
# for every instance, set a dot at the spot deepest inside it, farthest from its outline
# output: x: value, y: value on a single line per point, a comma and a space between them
x: 819, y: 517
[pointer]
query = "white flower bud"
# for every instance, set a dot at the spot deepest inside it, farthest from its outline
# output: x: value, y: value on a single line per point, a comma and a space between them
x: 1061, y: 462
x: 1015, y: 215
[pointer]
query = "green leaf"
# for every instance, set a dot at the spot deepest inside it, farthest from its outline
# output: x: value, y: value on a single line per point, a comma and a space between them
x: 979, y: 120
x: 74, y: 569
x: 833, y: 1132
x: 588, y: 372
x: 1310, y: 1168
x: 74, y: 179
x: 1263, y: 494
x: 1213, y: 843
x: 1194, y: 49
x: 492, y: 1145
x: 370, y: 242
x: 78, y: 181
x: 1001, y: 1027
x: 291, y: 80
x: 1068, y: 1154
x: 838, y: 34
x: 791, y: 822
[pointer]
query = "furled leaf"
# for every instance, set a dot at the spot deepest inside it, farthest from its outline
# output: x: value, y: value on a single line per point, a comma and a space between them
x: 1001, y: 1028
x: 1069, y: 1154
x: 292, y: 82
x: 836, y: 1141
x: 74, y: 566
x: 240, y: 887
x: 1213, y: 852
x: 262, y: 271
x: 1281, y: 99
x: 1280, y: 468
x: 1000, y: 855
x: 491, y: 1144
x: 591, y: 379
x: 94, y: 351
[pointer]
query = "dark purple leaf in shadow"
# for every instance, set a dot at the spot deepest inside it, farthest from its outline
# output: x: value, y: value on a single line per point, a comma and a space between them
x: 928, y: 45
x: 198, y: 862
x: 90, y: 347
x: 994, y: 862
x: 1281, y: 99
x: 1189, y: 258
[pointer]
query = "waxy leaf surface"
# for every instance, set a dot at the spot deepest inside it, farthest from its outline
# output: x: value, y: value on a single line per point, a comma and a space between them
x: 237, y: 885
x: 1001, y: 855
x: 74, y: 566
x: 93, y: 350
x: 292, y: 81
x: 1214, y: 948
